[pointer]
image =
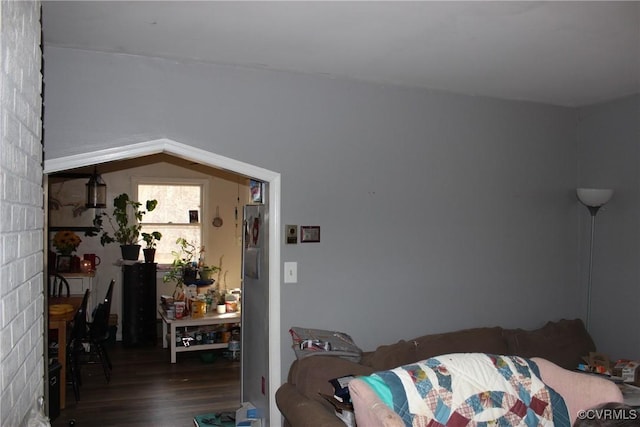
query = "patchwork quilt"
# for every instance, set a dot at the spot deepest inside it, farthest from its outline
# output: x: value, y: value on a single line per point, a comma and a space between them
x: 470, y: 389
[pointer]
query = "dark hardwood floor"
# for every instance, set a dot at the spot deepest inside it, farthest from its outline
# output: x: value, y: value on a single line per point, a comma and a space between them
x: 147, y: 390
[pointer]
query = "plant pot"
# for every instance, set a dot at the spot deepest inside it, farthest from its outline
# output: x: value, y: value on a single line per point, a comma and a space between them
x: 189, y: 275
x: 206, y: 274
x: 130, y: 252
x: 149, y: 254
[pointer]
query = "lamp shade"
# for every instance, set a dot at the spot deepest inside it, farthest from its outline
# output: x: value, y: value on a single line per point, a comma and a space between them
x: 594, y: 197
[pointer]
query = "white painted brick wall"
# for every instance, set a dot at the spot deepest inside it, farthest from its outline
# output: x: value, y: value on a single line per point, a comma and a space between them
x: 22, y: 362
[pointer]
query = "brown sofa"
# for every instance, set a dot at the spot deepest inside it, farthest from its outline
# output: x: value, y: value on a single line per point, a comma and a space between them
x: 563, y: 342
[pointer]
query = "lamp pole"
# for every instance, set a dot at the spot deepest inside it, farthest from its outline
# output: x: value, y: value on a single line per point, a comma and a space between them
x: 593, y: 199
x: 593, y: 210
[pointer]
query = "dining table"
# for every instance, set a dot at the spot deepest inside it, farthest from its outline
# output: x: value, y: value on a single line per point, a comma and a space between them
x: 60, y: 323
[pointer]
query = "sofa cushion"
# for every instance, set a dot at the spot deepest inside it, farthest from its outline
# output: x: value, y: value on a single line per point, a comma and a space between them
x: 563, y: 342
x: 392, y: 355
x: 475, y: 340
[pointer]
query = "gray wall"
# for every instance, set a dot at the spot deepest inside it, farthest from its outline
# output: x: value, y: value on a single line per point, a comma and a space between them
x: 609, y: 136
x: 438, y: 211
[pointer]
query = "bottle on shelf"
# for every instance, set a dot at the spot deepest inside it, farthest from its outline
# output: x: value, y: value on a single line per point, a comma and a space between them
x: 201, y: 262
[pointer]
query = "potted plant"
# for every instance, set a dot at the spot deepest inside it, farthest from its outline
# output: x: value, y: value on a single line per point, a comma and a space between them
x: 125, y: 224
x: 183, y: 265
x: 151, y: 240
x: 207, y: 271
x: 221, y: 304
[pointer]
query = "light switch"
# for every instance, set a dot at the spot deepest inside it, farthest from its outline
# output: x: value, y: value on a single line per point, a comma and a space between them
x: 290, y: 272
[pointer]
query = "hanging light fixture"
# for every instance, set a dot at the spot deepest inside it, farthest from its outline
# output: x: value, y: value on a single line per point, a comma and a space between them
x: 96, y: 191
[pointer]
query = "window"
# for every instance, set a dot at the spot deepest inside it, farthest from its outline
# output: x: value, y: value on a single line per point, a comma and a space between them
x: 179, y: 213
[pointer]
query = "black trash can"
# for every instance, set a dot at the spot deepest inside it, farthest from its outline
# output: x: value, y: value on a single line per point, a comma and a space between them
x: 54, y: 389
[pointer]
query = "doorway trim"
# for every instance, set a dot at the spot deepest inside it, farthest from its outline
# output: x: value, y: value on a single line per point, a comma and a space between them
x: 168, y: 146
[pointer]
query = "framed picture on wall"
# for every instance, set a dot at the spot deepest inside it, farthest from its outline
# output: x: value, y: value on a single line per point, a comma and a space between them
x: 66, y: 202
x: 256, y: 191
x: 63, y: 263
x: 309, y: 233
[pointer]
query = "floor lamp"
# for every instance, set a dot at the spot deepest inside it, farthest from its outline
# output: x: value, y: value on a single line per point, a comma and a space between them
x: 593, y: 199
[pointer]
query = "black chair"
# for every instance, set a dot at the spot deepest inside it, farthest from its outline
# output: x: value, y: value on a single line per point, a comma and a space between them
x: 74, y: 345
x: 58, y: 285
x: 98, y: 334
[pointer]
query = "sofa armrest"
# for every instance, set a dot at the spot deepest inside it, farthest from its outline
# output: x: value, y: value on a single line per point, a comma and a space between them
x: 298, y: 410
x: 311, y: 375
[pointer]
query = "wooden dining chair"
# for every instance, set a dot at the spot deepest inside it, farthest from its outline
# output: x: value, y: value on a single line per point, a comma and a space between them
x: 58, y: 285
x: 98, y: 334
x: 74, y: 344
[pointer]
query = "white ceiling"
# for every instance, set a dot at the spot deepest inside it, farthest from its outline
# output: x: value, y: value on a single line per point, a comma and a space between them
x: 564, y: 53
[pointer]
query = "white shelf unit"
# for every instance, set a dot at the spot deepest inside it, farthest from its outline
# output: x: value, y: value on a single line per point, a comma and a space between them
x: 169, y: 327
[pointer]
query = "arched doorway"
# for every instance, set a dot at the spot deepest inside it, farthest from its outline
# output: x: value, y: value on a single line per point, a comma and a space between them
x: 272, y: 179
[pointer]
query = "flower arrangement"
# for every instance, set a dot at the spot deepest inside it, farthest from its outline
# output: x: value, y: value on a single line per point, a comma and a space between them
x: 66, y: 242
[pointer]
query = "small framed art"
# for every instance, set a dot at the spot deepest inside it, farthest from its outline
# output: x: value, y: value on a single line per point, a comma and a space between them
x: 256, y: 191
x: 309, y: 233
x: 63, y: 263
